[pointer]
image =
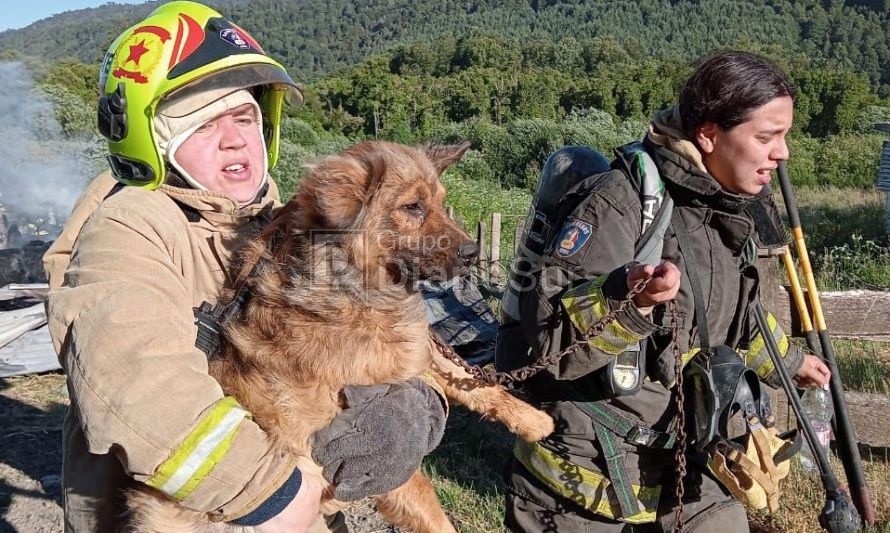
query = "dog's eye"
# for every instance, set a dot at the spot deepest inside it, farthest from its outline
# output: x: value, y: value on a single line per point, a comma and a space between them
x: 414, y: 209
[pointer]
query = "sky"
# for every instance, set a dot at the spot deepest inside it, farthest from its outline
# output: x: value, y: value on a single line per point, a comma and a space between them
x: 21, y: 13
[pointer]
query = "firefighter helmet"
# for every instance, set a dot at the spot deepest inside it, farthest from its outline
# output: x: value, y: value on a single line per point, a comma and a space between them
x: 183, y: 56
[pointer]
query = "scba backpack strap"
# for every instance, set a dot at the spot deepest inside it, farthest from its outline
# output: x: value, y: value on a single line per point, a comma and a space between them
x: 657, y: 205
x: 568, y: 177
x: 625, y: 373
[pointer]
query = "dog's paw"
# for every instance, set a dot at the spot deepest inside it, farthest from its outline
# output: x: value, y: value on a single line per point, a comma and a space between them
x: 534, y: 426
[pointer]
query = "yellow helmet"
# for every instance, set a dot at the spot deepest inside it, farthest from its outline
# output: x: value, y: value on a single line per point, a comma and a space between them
x: 182, y: 50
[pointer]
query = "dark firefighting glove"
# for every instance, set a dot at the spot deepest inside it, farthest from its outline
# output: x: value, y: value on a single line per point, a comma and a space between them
x: 379, y: 440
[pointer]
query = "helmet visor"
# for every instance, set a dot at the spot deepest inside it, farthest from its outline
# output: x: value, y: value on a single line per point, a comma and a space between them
x: 203, y: 91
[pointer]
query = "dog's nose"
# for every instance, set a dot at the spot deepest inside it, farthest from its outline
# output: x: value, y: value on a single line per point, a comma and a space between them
x: 468, y: 250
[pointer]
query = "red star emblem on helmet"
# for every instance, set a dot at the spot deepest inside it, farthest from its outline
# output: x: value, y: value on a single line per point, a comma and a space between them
x: 136, y: 52
x: 144, y: 43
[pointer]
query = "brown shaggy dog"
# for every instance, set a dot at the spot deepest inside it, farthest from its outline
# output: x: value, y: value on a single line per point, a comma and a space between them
x: 331, y: 304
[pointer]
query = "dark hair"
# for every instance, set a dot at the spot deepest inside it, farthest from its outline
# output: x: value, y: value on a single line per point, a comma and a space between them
x: 727, y: 86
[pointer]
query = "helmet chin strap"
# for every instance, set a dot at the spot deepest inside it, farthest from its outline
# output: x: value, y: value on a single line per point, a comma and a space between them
x: 173, y: 147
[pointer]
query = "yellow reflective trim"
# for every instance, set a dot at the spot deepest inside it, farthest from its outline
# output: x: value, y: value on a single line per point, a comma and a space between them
x: 757, y: 357
x: 589, y: 489
x: 619, y: 331
x: 586, y: 305
x: 605, y: 346
x: 686, y: 357
x: 765, y: 369
x: 615, y: 339
x: 200, y: 451
x: 758, y: 345
x: 206, y: 466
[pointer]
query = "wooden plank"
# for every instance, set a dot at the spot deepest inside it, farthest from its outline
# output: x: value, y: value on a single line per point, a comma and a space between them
x: 856, y: 314
x: 481, y: 260
x: 517, y: 236
x: 24, y: 290
x: 883, y: 183
x: 848, y: 314
x: 30, y: 353
x: 869, y: 412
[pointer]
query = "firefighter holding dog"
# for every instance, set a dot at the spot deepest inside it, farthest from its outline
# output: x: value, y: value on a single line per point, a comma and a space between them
x: 679, y: 216
x: 191, y: 107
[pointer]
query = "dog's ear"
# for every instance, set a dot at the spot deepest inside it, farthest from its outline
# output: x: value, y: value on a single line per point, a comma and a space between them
x: 444, y: 155
x: 336, y: 190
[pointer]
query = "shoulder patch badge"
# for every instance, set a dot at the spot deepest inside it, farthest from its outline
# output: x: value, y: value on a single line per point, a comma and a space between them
x: 572, y: 237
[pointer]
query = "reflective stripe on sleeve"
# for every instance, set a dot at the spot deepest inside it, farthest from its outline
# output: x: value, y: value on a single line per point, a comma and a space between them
x: 586, y: 305
x: 587, y: 488
x: 757, y: 357
x: 200, y: 451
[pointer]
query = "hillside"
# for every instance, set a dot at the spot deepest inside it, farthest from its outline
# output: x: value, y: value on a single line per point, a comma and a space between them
x: 518, y: 79
x: 316, y: 37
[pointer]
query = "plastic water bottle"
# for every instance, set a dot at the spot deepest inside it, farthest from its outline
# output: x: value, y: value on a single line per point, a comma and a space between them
x: 817, y: 405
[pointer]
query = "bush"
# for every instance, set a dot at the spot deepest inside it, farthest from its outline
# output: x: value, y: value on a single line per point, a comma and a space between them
x: 474, y: 165
x: 849, y: 160
x: 869, y: 116
x: 515, y: 153
x: 859, y: 264
x: 298, y: 132
x: 292, y: 159
x: 802, y: 167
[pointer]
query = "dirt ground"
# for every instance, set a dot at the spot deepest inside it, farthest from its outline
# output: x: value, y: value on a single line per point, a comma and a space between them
x: 31, y: 413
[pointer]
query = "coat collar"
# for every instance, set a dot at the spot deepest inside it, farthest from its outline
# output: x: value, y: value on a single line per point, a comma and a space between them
x: 220, y: 209
x: 690, y: 185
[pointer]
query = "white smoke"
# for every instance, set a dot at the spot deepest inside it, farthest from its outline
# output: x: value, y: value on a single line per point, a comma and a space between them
x: 42, y: 172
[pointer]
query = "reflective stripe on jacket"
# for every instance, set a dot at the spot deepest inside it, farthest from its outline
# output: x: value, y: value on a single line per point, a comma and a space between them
x: 587, y: 488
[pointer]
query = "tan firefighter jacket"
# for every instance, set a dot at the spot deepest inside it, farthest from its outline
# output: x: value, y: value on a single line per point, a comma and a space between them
x: 121, y: 317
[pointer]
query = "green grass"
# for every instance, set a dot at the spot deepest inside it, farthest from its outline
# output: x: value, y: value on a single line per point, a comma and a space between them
x: 803, y: 497
x: 844, y: 234
x: 467, y: 470
x: 475, y: 201
x: 829, y: 216
x: 857, y: 264
x: 843, y: 228
x: 864, y: 365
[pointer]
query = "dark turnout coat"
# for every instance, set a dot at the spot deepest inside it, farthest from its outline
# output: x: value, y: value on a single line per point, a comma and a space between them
x: 584, y: 278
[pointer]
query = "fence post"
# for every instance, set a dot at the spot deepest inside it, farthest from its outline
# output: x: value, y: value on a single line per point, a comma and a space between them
x: 480, y: 242
x: 517, y: 234
x: 494, y: 268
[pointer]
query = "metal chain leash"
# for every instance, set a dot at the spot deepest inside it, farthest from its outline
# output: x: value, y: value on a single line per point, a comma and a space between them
x: 519, y: 375
x: 522, y: 374
x: 680, y: 420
